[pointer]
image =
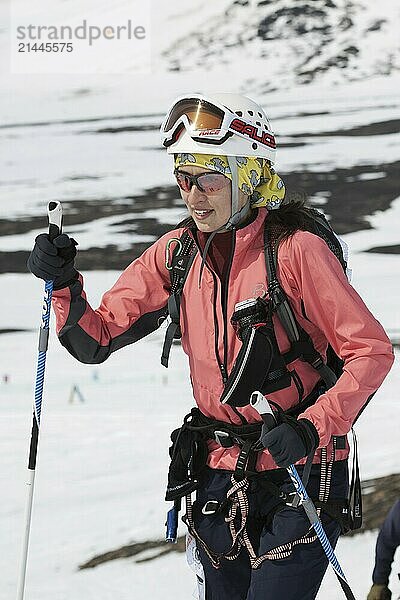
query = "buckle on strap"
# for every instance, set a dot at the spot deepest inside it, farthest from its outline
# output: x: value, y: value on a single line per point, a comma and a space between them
x: 325, y: 372
x: 223, y: 439
x: 292, y: 499
x: 210, y: 507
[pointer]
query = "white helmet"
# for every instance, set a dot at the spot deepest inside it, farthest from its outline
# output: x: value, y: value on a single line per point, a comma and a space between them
x: 228, y: 124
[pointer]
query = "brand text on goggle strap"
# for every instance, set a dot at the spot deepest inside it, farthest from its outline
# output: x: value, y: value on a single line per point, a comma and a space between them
x: 84, y: 31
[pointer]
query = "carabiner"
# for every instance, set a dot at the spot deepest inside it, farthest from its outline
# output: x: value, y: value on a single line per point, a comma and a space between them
x: 169, y: 265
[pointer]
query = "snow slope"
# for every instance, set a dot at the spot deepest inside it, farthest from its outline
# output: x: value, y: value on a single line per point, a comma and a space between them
x: 320, y: 40
x: 96, y: 487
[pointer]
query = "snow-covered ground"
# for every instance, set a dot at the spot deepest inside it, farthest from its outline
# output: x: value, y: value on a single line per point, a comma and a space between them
x: 102, y: 463
x: 62, y: 160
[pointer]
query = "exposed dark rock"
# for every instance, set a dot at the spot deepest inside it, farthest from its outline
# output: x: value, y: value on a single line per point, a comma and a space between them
x: 13, y: 330
x: 379, y: 128
x: 79, y: 211
x: 160, y: 548
x: 311, y: 31
x: 127, y: 128
x: 292, y: 15
x: 376, y: 25
x: 351, y: 50
x: 340, y: 61
x: 77, y: 121
x: 350, y: 199
x: 345, y: 23
x: 83, y: 178
x: 379, y: 495
x: 395, y: 249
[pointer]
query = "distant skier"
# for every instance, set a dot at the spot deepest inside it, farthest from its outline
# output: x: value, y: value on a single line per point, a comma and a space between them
x: 255, y: 285
x: 75, y: 391
x: 386, y: 545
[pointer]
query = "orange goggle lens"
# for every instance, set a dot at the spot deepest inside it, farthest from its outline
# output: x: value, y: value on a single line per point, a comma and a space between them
x: 200, y: 114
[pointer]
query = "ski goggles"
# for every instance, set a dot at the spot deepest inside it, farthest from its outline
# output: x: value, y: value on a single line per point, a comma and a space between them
x: 208, y: 183
x: 209, y: 123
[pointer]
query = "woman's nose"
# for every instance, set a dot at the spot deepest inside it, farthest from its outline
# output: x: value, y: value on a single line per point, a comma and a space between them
x: 195, y: 193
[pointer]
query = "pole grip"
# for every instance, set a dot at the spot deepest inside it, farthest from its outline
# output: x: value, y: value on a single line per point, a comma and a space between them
x: 54, y: 213
x: 262, y: 406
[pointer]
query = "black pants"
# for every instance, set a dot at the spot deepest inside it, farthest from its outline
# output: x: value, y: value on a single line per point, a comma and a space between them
x: 297, y: 577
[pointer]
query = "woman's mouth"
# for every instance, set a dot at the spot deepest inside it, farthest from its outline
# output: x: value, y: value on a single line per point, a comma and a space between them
x: 202, y: 214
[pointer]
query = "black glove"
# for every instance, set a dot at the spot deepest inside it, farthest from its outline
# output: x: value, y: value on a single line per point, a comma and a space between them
x: 291, y: 441
x: 54, y: 261
x: 379, y: 592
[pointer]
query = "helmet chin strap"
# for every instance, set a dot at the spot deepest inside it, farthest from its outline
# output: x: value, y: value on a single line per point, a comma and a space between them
x: 237, y: 215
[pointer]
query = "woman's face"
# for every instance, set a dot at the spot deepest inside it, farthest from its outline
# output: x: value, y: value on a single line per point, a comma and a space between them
x: 209, y: 211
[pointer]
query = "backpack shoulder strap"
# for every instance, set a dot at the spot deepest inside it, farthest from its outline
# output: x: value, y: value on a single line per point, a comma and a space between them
x: 301, y: 343
x: 322, y: 228
x: 278, y: 297
x: 178, y: 263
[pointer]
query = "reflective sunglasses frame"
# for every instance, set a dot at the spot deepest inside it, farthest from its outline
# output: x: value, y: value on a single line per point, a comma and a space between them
x: 196, y: 180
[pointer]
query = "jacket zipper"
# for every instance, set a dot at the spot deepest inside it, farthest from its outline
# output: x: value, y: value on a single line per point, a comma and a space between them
x: 221, y: 364
x: 224, y: 300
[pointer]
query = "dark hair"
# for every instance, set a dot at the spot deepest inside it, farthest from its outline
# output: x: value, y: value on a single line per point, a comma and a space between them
x: 293, y: 215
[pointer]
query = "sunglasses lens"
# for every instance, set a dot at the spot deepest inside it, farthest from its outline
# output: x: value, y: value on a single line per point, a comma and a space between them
x: 209, y: 183
x: 212, y: 182
x: 183, y: 181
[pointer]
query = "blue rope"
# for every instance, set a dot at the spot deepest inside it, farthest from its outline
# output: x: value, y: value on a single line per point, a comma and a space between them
x: 41, y: 364
x: 314, y: 520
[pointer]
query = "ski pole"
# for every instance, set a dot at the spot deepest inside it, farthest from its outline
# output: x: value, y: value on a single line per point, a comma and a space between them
x: 54, y: 212
x: 261, y: 404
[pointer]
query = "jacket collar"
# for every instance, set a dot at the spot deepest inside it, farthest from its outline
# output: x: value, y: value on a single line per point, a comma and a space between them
x: 246, y: 236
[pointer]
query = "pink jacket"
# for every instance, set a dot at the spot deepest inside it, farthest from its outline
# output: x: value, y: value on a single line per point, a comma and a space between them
x: 325, y: 305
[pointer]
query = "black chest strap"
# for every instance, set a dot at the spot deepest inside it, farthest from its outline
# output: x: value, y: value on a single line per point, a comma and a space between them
x: 178, y: 264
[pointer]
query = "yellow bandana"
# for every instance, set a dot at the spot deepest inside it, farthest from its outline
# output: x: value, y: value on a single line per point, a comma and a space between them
x: 256, y: 177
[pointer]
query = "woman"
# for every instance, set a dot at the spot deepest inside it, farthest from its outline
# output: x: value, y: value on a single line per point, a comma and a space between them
x: 252, y: 540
